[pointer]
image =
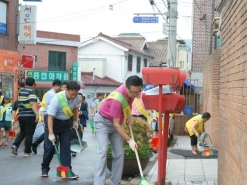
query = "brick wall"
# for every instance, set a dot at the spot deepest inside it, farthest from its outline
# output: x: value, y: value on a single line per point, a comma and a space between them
x: 10, y: 41
x: 210, y: 103
x: 180, y: 121
x: 201, y: 32
x: 42, y: 51
x: 233, y: 95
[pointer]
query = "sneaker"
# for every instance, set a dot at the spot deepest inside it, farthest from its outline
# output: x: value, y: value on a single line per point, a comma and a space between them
x: 73, y: 154
x: 27, y: 154
x: 34, y: 149
x: 32, y: 153
x: 44, y: 173
x: 14, y: 150
x: 74, y: 176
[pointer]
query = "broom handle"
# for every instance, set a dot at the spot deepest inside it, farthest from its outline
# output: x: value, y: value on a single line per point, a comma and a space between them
x: 58, y: 156
x: 78, y: 136
x: 137, y: 156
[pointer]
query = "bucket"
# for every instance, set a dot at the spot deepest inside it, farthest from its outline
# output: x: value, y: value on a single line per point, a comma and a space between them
x: 11, y: 134
x: 187, y: 110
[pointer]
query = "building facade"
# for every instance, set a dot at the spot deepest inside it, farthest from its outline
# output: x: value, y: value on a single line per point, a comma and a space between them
x: 8, y: 48
x: 202, y: 40
x: 54, y: 55
x: 225, y: 93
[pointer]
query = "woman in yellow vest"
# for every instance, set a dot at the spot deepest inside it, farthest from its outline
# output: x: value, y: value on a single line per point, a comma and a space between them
x: 195, y: 126
x: 5, y: 119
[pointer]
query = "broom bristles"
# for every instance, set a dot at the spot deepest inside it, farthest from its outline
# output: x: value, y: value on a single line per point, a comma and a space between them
x: 144, y: 181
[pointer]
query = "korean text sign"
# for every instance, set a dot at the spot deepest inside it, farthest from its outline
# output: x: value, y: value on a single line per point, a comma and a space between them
x: 48, y: 75
x: 75, y: 71
x: 28, y: 20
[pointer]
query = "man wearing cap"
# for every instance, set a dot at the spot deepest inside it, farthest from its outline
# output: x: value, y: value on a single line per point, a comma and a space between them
x: 28, y: 116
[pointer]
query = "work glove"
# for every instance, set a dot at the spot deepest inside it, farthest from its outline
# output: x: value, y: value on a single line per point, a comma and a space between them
x: 75, y: 124
x: 132, y: 144
x: 52, y: 138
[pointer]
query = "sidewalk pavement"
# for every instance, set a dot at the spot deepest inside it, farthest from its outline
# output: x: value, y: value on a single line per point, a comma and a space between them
x: 181, y: 171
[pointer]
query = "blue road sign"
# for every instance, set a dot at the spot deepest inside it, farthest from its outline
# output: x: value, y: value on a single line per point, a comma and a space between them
x: 152, y: 19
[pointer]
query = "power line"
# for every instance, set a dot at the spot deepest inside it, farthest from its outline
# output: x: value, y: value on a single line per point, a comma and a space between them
x: 161, y: 14
x: 98, y: 10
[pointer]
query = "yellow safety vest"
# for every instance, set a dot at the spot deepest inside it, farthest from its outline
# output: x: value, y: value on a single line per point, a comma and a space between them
x: 120, y: 98
x: 141, y: 109
x: 64, y: 104
x: 99, y: 105
x: 43, y: 102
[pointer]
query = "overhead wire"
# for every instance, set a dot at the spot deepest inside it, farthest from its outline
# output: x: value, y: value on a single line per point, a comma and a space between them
x: 98, y: 10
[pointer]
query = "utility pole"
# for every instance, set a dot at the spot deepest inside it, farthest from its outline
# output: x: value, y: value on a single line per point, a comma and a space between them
x: 172, y: 38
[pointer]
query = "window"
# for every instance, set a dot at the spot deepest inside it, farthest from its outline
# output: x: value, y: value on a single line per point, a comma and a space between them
x: 57, y: 61
x: 130, y: 59
x: 145, y: 62
x: 138, y: 65
x: 3, y: 18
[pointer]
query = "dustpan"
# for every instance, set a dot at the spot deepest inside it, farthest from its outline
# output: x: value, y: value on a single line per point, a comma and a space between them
x: 62, y: 171
x: 77, y: 145
x: 206, y: 143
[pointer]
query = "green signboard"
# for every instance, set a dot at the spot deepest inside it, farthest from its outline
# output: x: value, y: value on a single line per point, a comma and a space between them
x: 48, y: 75
x: 74, y: 71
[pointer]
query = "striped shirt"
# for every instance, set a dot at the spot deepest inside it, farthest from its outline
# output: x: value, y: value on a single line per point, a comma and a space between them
x: 25, y: 96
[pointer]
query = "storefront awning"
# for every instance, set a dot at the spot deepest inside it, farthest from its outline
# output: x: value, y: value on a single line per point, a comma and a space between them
x: 48, y: 85
x: 189, y: 84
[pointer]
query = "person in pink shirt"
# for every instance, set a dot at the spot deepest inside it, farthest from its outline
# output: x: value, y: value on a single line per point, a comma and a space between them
x: 137, y: 113
x: 108, y: 125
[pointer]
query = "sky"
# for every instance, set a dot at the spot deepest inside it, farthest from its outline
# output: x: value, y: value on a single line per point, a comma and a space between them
x: 88, y: 18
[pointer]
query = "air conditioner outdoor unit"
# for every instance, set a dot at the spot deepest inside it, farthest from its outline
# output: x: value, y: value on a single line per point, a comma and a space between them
x: 216, y: 26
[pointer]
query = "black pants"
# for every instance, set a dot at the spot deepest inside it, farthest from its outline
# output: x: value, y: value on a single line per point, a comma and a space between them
x: 62, y: 130
x: 193, y: 140
x: 27, y: 128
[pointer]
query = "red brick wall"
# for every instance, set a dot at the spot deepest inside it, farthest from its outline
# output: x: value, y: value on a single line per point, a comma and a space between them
x: 210, y: 103
x: 42, y: 51
x: 10, y: 41
x: 180, y: 121
x: 232, y: 169
x: 201, y: 32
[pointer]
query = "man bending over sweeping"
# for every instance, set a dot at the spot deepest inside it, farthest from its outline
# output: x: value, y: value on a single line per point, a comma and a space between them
x: 195, y: 126
x: 62, y: 114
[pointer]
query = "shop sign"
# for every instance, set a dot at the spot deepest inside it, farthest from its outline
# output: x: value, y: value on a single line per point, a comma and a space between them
x: 8, y: 63
x: 75, y: 71
x: 21, y: 81
x: 48, y: 75
x: 28, y: 20
x: 27, y: 61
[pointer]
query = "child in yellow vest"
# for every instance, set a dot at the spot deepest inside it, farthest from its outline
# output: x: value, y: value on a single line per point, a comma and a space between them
x: 195, y: 126
x: 5, y: 119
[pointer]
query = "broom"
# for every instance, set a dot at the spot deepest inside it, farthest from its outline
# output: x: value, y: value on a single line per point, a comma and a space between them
x: 92, y: 125
x: 62, y: 171
x: 143, y: 180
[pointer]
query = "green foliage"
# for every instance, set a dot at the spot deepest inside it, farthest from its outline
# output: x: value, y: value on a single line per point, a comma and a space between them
x: 142, y: 132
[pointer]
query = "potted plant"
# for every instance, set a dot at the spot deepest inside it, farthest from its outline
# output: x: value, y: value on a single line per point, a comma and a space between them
x: 142, y: 132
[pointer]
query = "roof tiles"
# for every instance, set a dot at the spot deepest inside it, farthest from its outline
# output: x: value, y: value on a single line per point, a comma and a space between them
x: 87, y: 78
